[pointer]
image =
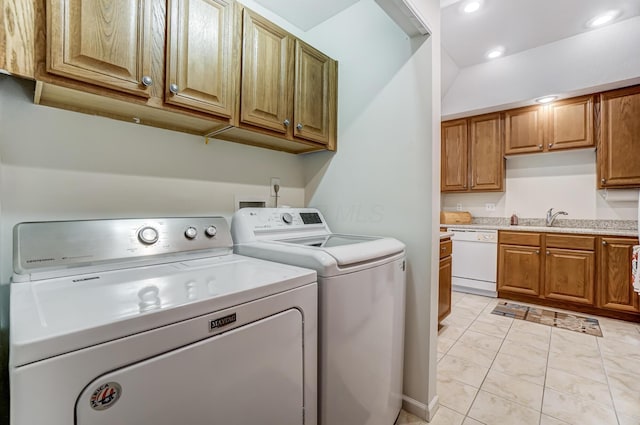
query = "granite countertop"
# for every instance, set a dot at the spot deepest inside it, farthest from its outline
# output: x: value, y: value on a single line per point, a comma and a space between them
x: 445, y: 235
x: 585, y: 227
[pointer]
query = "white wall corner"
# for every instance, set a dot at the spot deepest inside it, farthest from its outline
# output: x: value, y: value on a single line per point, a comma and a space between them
x: 450, y: 71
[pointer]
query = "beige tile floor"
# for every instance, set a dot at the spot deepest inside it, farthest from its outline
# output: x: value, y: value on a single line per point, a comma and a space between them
x: 493, y: 370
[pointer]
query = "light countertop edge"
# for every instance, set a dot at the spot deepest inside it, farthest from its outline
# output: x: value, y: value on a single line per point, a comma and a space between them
x: 573, y: 230
x: 445, y: 235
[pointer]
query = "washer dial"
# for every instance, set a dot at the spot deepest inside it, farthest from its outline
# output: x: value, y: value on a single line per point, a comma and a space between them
x: 191, y: 232
x: 211, y: 231
x: 148, y: 235
x: 287, y: 218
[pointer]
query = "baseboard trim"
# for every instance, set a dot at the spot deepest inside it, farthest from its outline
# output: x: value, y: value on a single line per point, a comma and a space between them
x: 420, y: 409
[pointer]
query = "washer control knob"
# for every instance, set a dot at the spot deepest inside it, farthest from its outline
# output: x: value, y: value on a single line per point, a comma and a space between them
x: 191, y: 232
x: 211, y: 231
x: 148, y: 235
x: 287, y: 218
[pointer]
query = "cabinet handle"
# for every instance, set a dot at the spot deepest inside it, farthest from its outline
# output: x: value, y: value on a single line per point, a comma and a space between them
x: 537, y: 251
x: 299, y: 126
x: 443, y: 249
x: 548, y: 253
x: 286, y: 123
x: 550, y: 144
x: 603, y: 181
x: 147, y: 81
x: 604, y: 242
x: 173, y: 88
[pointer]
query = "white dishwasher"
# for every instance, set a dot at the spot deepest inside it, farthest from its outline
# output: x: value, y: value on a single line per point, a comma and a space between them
x: 474, y: 261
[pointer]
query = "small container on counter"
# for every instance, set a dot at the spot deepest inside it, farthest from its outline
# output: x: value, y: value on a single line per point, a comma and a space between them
x: 514, y: 219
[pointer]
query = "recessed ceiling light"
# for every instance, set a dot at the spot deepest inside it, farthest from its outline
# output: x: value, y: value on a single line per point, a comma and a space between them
x: 471, y: 6
x: 603, y: 19
x: 495, y: 53
x: 546, y: 99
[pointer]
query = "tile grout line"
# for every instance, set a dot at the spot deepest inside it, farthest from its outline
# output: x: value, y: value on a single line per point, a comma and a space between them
x: 546, y: 370
x: 606, y: 376
x: 489, y: 370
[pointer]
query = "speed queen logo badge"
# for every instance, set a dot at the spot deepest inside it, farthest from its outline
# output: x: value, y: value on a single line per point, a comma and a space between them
x: 105, y: 396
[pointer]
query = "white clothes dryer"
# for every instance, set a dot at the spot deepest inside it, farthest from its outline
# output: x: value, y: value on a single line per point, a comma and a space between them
x: 361, y: 283
x: 156, y: 321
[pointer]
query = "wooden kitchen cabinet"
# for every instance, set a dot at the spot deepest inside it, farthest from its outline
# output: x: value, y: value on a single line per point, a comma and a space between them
x: 201, y: 63
x: 569, y: 275
x: 586, y: 273
x: 289, y: 89
x: 519, y: 269
x: 472, y: 159
x: 103, y: 43
x: 444, y: 282
x: 315, y: 84
x: 619, y: 148
x: 563, y: 124
x: 524, y: 130
x: 267, y: 74
x: 454, y: 154
x: 569, y: 123
x: 616, y: 292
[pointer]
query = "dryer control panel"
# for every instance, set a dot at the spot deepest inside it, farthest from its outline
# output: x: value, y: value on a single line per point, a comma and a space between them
x: 51, y: 245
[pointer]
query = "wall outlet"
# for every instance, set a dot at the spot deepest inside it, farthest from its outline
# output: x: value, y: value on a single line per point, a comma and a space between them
x: 458, y: 206
x: 490, y: 207
x: 274, y: 181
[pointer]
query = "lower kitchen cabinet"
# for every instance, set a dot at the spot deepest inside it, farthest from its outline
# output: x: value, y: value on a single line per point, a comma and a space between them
x: 616, y: 292
x: 519, y: 269
x: 586, y: 273
x: 569, y: 275
x: 444, y: 282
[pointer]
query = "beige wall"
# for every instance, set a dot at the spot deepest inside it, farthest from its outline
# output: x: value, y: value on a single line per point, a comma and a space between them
x: 58, y: 164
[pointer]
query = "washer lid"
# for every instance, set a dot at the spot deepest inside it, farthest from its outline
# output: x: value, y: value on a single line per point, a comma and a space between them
x: 51, y: 317
x: 350, y: 249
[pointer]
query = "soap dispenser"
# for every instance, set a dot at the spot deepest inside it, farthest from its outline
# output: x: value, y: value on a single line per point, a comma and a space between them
x: 514, y: 219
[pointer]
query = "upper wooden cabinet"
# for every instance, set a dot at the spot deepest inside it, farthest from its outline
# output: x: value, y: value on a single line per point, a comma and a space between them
x: 267, y: 74
x: 524, y: 130
x: 565, y: 124
x: 315, y: 85
x: 570, y: 123
x: 102, y: 43
x: 288, y: 87
x: 201, y: 68
x: 454, y: 154
x: 472, y: 157
x: 485, y: 158
x: 619, y: 148
x: 207, y: 67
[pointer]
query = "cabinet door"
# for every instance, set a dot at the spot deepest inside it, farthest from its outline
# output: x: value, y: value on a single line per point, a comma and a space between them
x: 487, y: 163
x: 570, y: 275
x: 267, y: 74
x: 454, y: 153
x: 315, y: 84
x: 444, y: 291
x: 570, y: 123
x: 519, y: 269
x: 524, y: 130
x: 615, y: 289
x: 200, y: 55
x: 106, y: 43
x: 620, y: 145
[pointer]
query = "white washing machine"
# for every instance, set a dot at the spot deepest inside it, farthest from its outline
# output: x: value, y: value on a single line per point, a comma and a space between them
x: 361, y: 282
x: 156, y: 321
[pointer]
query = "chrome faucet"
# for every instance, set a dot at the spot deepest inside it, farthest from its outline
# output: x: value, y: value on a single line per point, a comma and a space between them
x: 552, y: 216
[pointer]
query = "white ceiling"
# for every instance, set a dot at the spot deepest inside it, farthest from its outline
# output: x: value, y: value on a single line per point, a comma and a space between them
x: 519, y: 25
